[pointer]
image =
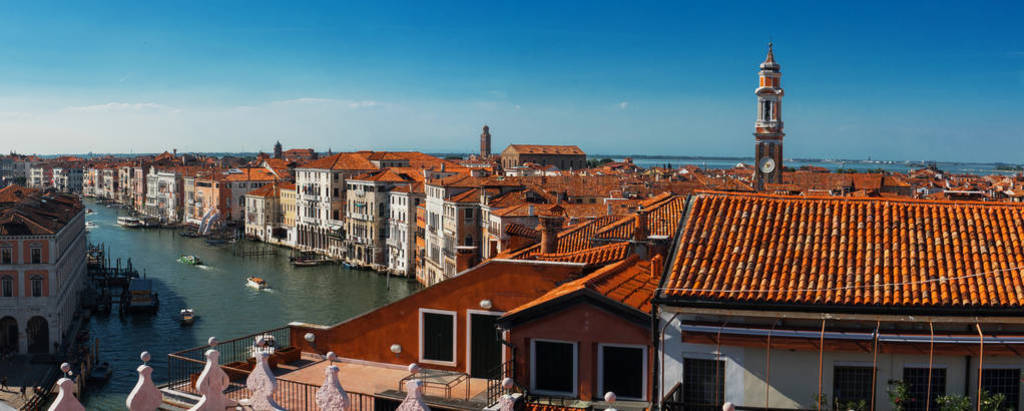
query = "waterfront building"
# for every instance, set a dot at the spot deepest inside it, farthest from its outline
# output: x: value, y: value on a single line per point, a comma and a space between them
x: 90, y: 179
x: 264, y: 218
x: 40, y: 177
x: 444, y: 224
x: 42, y: 268
x: 321, y: 187
x: 768, y: 134
x: 288, y: 211
x: 110, y: 187
x: 67, y: 178
x: 367, y: 214
x: 139, y: 186
x: 237, y: 182
x: 165, y: 194
x: 125, y: 184
x: 208, y: 200
x: 404, y: 202
x: 561, y: 157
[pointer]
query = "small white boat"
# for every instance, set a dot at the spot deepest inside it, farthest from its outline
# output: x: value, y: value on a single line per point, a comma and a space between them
x: 256, y: 282
x: 188, y: 316
x: 130, y: 222
x: 89, y: 225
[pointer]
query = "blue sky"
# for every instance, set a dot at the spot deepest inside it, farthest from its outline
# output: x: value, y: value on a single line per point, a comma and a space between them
x: 928, y: 80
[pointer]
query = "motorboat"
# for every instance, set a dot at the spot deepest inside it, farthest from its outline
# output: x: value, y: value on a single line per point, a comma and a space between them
x: 100, y: 373
x: 256, y: 282
x: 190, y: 260
x: 187, y: 316
x: 130, y: 222
x: 89, y: 225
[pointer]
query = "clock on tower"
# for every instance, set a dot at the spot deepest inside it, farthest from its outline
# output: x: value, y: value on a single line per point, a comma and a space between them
x: 768, y: 127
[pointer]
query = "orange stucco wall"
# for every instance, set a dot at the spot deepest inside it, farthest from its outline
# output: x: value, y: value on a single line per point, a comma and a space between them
x: 28, y: 282
x: 27, y: 247
x: 369, y: 337
x: 588, y: 326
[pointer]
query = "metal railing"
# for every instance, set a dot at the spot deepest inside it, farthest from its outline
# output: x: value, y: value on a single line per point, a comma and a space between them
x: 41, y: 398
x: 184, y: 366
x: 494, y: 378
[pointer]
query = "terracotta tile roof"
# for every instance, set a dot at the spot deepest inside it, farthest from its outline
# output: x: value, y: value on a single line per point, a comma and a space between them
x: 342, y: 161
x: 249, y: 174
x: 629, y: 282
x: 468, y: 196
x: 850, y: 252
x: 535, y: 149
x: 271, y: 190
x: 521, y: 231
x: 15, y: 193
x: 590, y: 256
x: 573, y: 238
x: 663, y: 218
x: 38, y: 213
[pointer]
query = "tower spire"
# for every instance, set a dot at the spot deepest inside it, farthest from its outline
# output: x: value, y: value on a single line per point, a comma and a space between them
x: 768, y: 132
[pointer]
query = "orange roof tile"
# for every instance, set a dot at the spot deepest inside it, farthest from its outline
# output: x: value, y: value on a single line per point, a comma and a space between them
x: 629, y: 282
x: 590, y: 256
x: 573, y: 238
x: 663, y: 219
x: 849, y: 252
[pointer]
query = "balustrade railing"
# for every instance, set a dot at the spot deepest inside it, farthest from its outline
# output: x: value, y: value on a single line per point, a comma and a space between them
x: 183, y: 367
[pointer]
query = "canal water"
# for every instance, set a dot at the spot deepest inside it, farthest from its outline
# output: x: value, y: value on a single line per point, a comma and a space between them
x: 216, y: 291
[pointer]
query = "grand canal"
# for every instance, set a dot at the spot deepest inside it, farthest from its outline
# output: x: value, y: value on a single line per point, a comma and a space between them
x: 226, y: 308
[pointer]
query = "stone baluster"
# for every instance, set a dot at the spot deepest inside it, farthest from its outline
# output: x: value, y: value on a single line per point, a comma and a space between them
x: 413, y: 397
x: 212, y: 382
x: 261, y: 382
x: 610, y: 398
x: 66, y: 400
x: 330, y: 396
x: 145, y: 396
x: 507, y: 402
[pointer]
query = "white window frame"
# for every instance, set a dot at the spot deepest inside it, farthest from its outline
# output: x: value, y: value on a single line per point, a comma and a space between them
x: 575, y: 368
x: 455, y: 337
x: 600, y: 368
x: 469, y: 335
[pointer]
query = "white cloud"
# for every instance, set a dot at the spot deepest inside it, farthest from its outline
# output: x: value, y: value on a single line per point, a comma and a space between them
x: 623, y: 105
x: 121, y: 107
x: 363, y: 104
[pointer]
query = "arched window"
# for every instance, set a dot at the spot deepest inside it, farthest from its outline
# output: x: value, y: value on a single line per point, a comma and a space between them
x: 469, y: 241
x: 7, y: 286
x: 37, y: 286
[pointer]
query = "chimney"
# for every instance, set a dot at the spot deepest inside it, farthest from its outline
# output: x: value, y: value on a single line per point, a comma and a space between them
x: 550, y: 225
x: 175, y: 152
x: 656, y: 265
x: 640, y: 230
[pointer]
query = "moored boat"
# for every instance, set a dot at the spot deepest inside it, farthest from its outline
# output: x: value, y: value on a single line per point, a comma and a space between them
x: 100, y: 373
x: 89, y: 225
x: 140, y: 296
x: 256, y: 282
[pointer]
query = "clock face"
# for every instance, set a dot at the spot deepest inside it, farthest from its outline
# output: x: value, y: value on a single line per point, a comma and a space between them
x: 767, y: 165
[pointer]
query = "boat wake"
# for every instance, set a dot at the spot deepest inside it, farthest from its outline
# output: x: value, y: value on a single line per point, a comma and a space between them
x: 204, y: 267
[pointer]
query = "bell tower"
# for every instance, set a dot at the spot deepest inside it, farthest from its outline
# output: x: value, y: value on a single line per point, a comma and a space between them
x: 485, y: 143
x: 768, y: 126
